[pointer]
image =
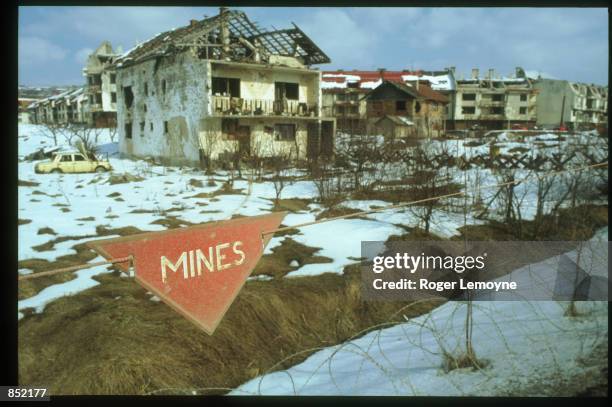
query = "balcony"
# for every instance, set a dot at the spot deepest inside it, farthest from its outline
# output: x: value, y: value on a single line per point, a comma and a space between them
x: 492, y: 103
x: 231, y: 106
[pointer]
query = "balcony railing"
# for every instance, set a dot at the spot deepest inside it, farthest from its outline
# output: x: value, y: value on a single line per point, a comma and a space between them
x: 231, y: 106
x: 489, y: 102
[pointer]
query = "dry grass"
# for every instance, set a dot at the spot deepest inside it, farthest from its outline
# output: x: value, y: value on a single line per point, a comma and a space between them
x: 112, y: 339
x: 84, y: 254
x: 22, y: 183
x: 338, y: 211
x: 291, y: 205
x: 462, y: 361
x: 575, y: 224
x: 278, y: 265
x: 115, y: 179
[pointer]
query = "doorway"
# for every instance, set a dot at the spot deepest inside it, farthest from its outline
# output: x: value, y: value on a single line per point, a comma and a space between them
x: 244, y: 140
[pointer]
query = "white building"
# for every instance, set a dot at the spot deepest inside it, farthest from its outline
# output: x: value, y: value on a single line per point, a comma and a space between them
x: 219, y: 87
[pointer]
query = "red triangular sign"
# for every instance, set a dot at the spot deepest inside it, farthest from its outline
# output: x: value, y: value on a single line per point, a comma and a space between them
x: 197, y: 270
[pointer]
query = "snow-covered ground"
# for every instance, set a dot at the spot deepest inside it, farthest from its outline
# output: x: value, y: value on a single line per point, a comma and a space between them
x: 523, y: 345
x: 74, y: 205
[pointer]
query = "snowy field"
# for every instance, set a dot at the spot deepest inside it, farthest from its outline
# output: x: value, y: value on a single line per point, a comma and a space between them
x: 74, y: 205
x: 520, y: 341
x: 527, y: 348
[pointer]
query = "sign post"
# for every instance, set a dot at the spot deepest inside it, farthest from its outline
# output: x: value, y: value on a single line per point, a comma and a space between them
x: 197, y: 270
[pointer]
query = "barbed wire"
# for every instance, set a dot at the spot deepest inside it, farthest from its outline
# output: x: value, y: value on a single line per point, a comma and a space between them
x: 330, y: 219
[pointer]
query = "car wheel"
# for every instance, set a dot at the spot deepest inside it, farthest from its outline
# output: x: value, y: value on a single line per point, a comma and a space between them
x: 56, y: 171
x: 100, y: 169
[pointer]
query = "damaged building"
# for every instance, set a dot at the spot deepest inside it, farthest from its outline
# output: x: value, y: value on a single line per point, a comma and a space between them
x: 493, y: 102
x: 101, y: 87
x: 219, y: 87
x: 344, y: 92
x: 397, y: 109
x: 576, y: 105
x: 68, y: 107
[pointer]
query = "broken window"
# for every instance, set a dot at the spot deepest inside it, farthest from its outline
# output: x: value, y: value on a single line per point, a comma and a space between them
x: 98, y: 98
x: 497, y: 97
x: 341, y: 97
x: 226, y: 87
x: 286, y: 90
x: 497, y: 110
x: 400, y: 105
x: 523, y: 97
x: 144, y: 107
x: 522, y: 110
x: 417, y: 107
x: 95, y: 80
x: 229, y: 129
x: 128, y: 96
x: 146, y: 89
x: 468, y: 110
x: 79, y: 157
x: 128, y: 130
x: 151, y: 126
x: 353, y: 109
x: 469, y: 96
x: 163, y: 84
x: 284, y: 132
x: 340, y: 110
x: 142, y: 129
x: 113, y: 97
x: 352, y: 85
x: 165, y: 127
x: 66, y: 158
x: 113, y: 78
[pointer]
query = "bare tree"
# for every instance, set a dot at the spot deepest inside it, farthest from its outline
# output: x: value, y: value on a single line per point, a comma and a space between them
x: 112, y: 134
x: 208, y: 143
x: 280, y: 163
x: 53, y: 131
x: 427, y: 182
x: 85, y: 140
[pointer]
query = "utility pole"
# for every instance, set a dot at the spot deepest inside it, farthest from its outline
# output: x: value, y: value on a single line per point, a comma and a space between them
x: 562, y: 111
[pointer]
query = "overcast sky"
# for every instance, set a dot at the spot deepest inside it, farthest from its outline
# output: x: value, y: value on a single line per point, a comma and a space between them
x: 564, y: 43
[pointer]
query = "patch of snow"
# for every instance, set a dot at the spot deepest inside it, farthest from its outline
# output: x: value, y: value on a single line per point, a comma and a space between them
x: 82, y: 282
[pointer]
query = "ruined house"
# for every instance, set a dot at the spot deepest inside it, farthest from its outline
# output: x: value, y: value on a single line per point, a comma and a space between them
x: 344, y: 91
x: 577, y: 105
x: 24, y: 110
x: 219, y: 87
x: 67, y: 107
x: 493, y: 102
x: 406, y: 110
x: 101, y: 87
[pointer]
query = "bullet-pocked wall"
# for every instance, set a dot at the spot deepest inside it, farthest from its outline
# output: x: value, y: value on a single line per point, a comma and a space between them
x: 160, y: 103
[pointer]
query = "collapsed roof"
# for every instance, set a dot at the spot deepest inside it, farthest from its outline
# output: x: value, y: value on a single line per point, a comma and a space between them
x: 228, y: 35
x: 423, y: 92
x: 439, y: 80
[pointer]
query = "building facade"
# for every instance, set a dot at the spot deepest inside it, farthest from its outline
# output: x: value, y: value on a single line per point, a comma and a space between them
x: 576, y: 105
x: 493, y: 102
x: 400, y: 110
x: 101, y: 87
x: 344, y: 92
x: 220, y: 87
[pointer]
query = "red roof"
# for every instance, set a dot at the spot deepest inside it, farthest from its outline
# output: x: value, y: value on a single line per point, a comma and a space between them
x: 369, y: 76
x: 425, y: 91
x: 428, y: 93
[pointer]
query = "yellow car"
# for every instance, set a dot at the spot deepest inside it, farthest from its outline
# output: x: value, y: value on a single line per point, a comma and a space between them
x: 72, y: 163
